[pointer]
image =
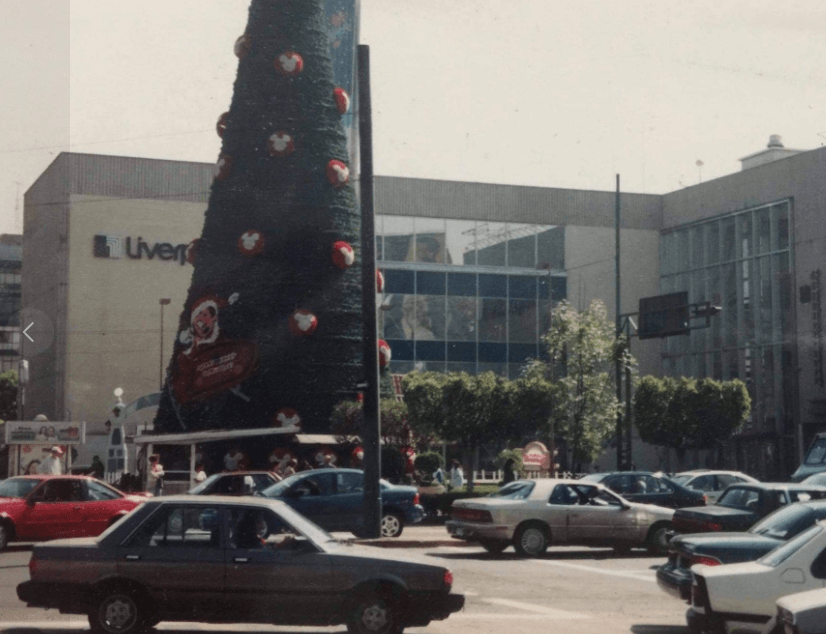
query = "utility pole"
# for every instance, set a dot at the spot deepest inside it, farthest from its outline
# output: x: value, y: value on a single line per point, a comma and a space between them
x: 618, y: 362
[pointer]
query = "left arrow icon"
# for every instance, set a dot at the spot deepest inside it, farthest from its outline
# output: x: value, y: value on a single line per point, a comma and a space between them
x: 27, y: 334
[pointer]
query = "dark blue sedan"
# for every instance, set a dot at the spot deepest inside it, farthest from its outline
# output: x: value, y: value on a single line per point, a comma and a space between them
x: 649, y: 488
x: 333, y: 499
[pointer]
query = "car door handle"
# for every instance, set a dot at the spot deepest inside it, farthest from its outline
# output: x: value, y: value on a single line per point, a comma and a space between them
x: 241, y: 560
x: 132, y: 557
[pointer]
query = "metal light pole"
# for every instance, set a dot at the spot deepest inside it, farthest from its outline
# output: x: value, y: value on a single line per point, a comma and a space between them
x: 165, y: 301
x: 618, y: 363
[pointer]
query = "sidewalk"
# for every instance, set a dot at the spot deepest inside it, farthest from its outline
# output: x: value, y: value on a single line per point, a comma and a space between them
x: 416, y: 536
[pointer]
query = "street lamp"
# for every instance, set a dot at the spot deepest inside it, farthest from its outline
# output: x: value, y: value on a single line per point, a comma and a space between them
x: 165, y: 301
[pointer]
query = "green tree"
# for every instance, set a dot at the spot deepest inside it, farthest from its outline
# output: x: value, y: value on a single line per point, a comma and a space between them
x: 581, y: 350
x: 533, y: 407
x: 687, y: 413
x: 8, y: 395
x: 425, y: 400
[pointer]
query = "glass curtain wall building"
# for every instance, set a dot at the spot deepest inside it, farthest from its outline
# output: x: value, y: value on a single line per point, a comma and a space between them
x: 740, y: 262
x: 465, y: 295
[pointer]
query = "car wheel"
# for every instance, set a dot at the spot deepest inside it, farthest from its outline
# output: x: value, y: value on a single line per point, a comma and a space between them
x: 4, y: 536
x: 374, y: 614
x: 531, y: 540
x: 392, y: 525
x: 658, y: 541
x: 494, y: 546
x: 118, y: 612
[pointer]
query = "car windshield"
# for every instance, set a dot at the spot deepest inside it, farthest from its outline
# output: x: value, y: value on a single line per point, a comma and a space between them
x: 515, y: 490
x: 681, y: 479
x: 783, y: 552
x: 203, y: 486
x: 17, y: 487
x: 594, y: 477
x: 785, y: 522
x: 738, y: 497
x: 817, y: 452
x: 277, y: 489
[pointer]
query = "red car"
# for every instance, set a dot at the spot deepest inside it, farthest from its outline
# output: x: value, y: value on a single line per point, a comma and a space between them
x: 39, y: 507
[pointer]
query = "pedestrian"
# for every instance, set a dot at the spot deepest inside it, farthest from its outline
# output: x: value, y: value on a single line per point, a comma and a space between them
x: 200, y: 474
x: 289, y: 470
x: 156, y: 474
x: 439, y: 476
x: 233, y: 458
x: 328, y: 462
x: 97, y: 470
x: 457, y: 477
x: 510, y: 474
x: 52, y: 465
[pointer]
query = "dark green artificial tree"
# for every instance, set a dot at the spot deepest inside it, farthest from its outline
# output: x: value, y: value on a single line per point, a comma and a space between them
x: 271, y: 330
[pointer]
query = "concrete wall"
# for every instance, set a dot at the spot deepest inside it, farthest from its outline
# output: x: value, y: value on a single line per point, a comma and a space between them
x: 113, y: 326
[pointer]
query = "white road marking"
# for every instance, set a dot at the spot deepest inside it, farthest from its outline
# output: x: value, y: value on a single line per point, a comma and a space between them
x: 538, y: 609
x: 639, y: 575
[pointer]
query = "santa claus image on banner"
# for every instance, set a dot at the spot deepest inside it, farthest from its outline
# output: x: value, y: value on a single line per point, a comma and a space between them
x: 203, y: 324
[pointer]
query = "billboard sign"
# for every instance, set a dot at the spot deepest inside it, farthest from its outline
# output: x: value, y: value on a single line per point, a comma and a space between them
x: 45, y: 432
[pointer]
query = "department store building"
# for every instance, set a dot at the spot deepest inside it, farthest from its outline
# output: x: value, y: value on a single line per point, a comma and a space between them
x: 472, y: 271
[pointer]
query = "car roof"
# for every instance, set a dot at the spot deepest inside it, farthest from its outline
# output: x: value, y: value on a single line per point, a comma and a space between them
x: 43, y: 476
x: 212, y: 500
x: 776, y: 486
x: 235, y: 473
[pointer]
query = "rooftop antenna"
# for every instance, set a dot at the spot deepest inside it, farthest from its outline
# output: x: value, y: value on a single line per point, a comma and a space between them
x: 699, y: 165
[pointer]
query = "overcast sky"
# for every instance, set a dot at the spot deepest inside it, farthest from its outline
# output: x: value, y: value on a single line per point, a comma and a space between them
x: 532, y: 92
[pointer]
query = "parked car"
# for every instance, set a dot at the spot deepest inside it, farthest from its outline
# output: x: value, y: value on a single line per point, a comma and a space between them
x: 711, y: 483
x: 818, y: 479
x: 803, y: 613
x: 714, y: 549
x: 532, y: 514
x: 648, y: 488
x: 221, y: 559
x: 236, y: 483
x: 333, y: 499
x: 815, y: 460
x: 741, y: 597
x: 741, y: 505
x: 40, y: 507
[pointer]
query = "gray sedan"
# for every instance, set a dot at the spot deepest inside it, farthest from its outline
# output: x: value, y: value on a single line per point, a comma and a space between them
x: 532, y: 514
x: 226, y: 560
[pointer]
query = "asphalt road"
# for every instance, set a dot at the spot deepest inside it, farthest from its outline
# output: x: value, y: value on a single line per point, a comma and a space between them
x: 572, y: 590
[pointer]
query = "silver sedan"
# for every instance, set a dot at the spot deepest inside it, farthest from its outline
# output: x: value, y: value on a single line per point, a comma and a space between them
x: 532, y: 514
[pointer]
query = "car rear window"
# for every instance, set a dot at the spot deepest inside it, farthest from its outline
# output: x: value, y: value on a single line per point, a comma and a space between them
x: 514, y: 490
x: 786, y: 522
x: 817, y: 452
x: 741, y: 498
x: 17, y: 487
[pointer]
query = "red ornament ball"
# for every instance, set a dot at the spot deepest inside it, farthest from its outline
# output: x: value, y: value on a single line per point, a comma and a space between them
x: 384, y: 353
x: 221, y: 126
x: 251, y: 243
x: 286, y: 417
x: 242, y: 46
x: 342, y: 100
x: 343, y: 255
x: 191, y: 253
x: 289, y: 63
x: 379, y: 281
x: 281, y: 144
x: 223, y: 167
x: 338, y: 173
x: 303, y: 323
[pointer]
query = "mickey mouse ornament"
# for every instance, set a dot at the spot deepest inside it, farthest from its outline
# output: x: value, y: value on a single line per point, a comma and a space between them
x: 343, y: 255
x: 303, y: 323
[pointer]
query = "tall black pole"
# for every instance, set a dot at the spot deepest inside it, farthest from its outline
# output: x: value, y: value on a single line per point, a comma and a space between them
x: 618, y: 363
x: 372, y: 422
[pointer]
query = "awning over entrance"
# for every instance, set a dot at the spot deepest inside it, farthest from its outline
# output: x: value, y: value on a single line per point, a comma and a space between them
x: 213, y: 435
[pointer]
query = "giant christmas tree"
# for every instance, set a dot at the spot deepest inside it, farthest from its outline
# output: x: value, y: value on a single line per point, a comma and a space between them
x: 270, y: 333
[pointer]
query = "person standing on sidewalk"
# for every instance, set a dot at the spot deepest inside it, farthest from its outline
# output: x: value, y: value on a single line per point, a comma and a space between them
x: 52, y: 465
x: 156, y: 475
x: 457, y: 477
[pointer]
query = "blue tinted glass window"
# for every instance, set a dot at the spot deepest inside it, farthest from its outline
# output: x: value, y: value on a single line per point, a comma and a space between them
x: 461, y: 351
x: 493, y: 352
x: 521, y: 352
x: 493, y: 286
x: 401, y: 349
x: 399, y: 282
x: 430, y: 283
x: 522, y: 287
x: 430, y: 350
x: 461, y: 284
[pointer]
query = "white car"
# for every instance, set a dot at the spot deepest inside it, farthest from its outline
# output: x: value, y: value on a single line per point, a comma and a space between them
x: 803, y: 613
x: 532, y: 514
x: 712, y: 483
x: 741, y: 597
